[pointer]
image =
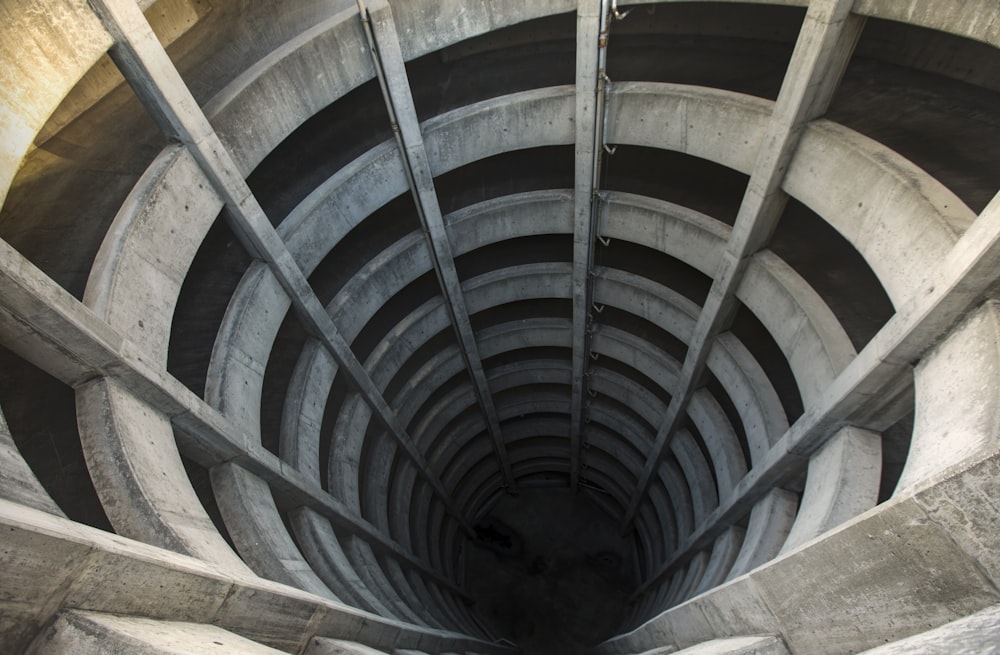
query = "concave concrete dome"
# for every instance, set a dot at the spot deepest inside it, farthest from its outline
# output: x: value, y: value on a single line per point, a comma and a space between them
x: 503, y: 326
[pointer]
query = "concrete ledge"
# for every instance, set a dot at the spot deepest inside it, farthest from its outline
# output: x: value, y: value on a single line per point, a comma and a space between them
x: 50, y: 565
x: 974, y: 635
x: 888, y: 574
x: 320, y: 646
x: 88, y: 633
x: 974, y: 19
x: 762, y: 645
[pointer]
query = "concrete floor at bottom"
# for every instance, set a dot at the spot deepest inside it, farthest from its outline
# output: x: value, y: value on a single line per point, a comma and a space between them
x: 550, y: 572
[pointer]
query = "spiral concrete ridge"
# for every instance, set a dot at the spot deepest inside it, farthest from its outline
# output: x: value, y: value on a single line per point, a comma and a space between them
x: 439, y: 326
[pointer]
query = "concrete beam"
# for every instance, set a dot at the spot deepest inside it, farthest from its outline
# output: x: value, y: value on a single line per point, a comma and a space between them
x: 90, y: 633
x: 591, y: 41
x: 60, y: 335
x: 150, y: 72
x: 916, y: 562
x: 62, y: 565
x: 821, y: 54
x: 388, y: 56
x: 387, y: 53
x: 873, y: 377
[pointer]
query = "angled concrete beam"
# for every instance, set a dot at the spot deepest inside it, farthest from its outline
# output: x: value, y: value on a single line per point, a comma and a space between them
x: 68, y: 565
x: 591, y: 43
x: 826, y: 41
x: 882, y: 367
x: 151, y: 73
x: 388, y: 56
x: 46, y: 326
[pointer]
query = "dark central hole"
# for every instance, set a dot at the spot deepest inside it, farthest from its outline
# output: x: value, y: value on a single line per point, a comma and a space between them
x: 549, y: 571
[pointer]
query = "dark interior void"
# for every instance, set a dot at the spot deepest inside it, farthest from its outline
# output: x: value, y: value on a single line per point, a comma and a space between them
x: 319, y: 148
x: 739, y: 47
x: 212, y: 278
x: 697, y: 184
x: 939, y: 112
x: 550, y: 572
x: 834, y: 269
x: 531, y: 55
x: 43, y: 426
x: 43, y: 217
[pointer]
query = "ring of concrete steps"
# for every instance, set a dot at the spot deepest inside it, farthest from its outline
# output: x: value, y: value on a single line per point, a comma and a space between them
x: 189, y: 530
x: 710, y: 149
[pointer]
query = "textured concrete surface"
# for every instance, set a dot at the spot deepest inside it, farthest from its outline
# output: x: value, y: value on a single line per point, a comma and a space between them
x: 761, y: 645
x: 722, y: 326
x: 975, y: 634
x: 88, y: 633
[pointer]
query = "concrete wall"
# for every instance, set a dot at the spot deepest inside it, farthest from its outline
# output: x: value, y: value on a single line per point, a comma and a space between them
x: 351, y: 463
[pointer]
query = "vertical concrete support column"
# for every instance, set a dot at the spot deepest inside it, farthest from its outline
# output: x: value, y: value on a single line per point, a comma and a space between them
x: 821, y: 54
x: 591, y: 17
x: 131, y: 455
x: 958, y: 408
x: 403, y: 114
x: 842, y: 482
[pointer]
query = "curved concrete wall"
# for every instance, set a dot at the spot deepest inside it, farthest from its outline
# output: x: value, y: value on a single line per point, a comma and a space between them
x: 399, y: 343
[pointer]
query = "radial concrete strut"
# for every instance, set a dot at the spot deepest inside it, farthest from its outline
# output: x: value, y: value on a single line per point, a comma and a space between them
x: 866, y: 390
x: 63, y: 337
x: 388, y: 57
x: 150, y: 72
x: 826, y: 41
x: 593, y: 18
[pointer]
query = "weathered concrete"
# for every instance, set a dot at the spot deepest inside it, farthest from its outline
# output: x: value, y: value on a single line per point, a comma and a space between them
x: 254, y: 524
x: 765, y: 645
x: 98, y: 348
x: 47, y: 47
x: 89, y: 633
x: 821, y: 54
x: 68, y: 566
x: 591, y: 51
x: 958, y: 415
x: 973, y: 20
x: 885, y: 575
x: 771, y: 519
x: 321, y: 646
x: 131, y: 453
x: 838, y: 490
x: 936, y: 259
x: 975, y: 634
x: 402, y: 112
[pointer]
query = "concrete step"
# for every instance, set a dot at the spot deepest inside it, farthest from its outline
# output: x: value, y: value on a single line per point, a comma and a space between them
x: 90, y: 633
x: 751, y: 645
x: 976, y: 634
x: 325, y: 646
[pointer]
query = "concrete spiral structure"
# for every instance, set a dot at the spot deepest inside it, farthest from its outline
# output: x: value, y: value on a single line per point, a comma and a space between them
x: 294, y: 294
